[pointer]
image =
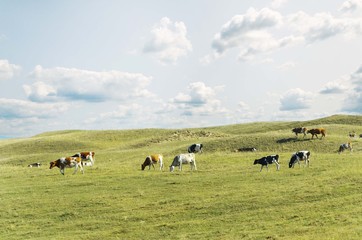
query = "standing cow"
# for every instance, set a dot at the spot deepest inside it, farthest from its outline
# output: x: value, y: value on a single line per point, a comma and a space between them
x: 152, y: 160
x: 67, y: 162
x: 188, y: 158
x: 299, y: 156
x: 300, y: 130
x: 317, y: 131
x: 195, y: 148
x: 265, y: 161
x: 86, y: 156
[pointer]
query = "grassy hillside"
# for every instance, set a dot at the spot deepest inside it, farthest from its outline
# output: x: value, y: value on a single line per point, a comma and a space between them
x: 226, y: 198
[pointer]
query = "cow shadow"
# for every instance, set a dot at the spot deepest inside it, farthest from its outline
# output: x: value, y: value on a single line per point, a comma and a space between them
x: 292, y: 139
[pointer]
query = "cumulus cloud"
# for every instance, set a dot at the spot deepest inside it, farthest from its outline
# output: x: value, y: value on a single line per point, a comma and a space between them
x: 169, y: 41
x: 350, y: 5
x: 7, y: 70
x: 264, y: 31
x: 66, y: 84
x: 335, y: 87
x: 295, y: 99
x: 14, y: 108
x: 199, y: 100
x: 353, y: 102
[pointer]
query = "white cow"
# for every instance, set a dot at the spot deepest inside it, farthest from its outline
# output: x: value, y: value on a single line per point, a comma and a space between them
x: 184, y: 159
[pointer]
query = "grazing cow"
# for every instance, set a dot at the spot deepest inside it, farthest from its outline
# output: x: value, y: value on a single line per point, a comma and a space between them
x: 151, y: 160
x: 67, y: 162
x: 184, y: 159
x: 352, y: 134
x: 247, y: 149
x: 34, y: 165
x: 265, y: 161
x: 300, y: 130
x: 316, y: 131
x: 299, y: 156
x: 85, y: 156
x: 195, y: 148
x: 345, y: 146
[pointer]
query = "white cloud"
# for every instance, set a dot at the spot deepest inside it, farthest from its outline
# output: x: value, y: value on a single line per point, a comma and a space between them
x: 169, y: 41
x: 295, y: 99
x: 65, y: 84
x: 335, y: 87
x: 200, y: 100
x: 350, y: 5
x: 7, y: 70
x: 264, y: 31
x: 287, y: 65
x: 15, y: 109
x: 353, y: 102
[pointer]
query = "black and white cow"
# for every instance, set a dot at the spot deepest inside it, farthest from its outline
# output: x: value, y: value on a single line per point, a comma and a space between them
x: 195, y: 148
x: 265, y: 161
x: 34, y: 165
x: 299, y: 156
x: 345, y: 146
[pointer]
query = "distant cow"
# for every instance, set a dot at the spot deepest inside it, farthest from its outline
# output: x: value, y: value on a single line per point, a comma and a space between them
x: 300, y: 130
x: 299, y: 156
x: 345, y: 146
x: 34, y: 165
x: 247, y: 149
x: 67, y: 162
x: 151, y: 160
x: 316, y: 131
x: 85, y: 156
x: 195, y: 148
x: 184, y: 159
x: 265, y: 161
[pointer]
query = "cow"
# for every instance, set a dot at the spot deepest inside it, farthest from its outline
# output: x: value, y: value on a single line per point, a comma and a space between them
x: 345, y: 146
x: 265, y: 161
x: 299, y: 156
x: 151, y: 160
x: 195, y: 148
x: 300, y: 130
x: 34, y: 165
x: 316, y: 131
x: 184, y: 159
x: 247, y: 149
x: 67, y: 162
x: 85, y: 156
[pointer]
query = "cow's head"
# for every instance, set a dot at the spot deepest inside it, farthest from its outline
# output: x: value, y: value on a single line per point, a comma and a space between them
x: 292, y: 161
x: 53, y: 164
x: 143, y: 166
x: 256, y: 161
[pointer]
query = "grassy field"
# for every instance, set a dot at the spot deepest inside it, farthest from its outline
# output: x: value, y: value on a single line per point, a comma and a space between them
x: 226, y: 198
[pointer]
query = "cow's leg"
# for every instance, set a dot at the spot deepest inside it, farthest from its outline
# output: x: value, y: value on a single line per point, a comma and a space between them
x: 76, y: 169
x: 81, y: 168
x: 276, y: 163
x: 194, y: 163
x: 61, y: 170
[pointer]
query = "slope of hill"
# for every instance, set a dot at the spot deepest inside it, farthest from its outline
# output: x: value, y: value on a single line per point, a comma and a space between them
x: 226, y: 198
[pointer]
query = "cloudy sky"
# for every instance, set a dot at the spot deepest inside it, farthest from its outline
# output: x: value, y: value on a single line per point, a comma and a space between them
x: 115, y: 64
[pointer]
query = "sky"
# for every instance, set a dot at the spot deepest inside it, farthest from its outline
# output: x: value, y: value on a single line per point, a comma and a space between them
x: 116, y: 64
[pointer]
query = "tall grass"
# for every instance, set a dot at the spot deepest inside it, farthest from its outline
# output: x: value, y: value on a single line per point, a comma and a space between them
x: 226, y: 198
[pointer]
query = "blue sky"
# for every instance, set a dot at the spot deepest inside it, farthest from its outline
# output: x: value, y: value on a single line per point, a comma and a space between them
x: 77, y: 64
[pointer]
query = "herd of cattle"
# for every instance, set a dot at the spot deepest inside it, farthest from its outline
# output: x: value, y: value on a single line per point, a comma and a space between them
x: 81, y: 159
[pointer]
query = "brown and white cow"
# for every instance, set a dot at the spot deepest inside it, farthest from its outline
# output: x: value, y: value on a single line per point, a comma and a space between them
x: 86, y: 156
x: 151, y: 160
x: 67, y: 162
x: 300, y: 130
x: 316, y: 131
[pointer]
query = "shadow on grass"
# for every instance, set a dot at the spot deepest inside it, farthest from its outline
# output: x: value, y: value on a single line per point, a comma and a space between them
x: 286, y: 140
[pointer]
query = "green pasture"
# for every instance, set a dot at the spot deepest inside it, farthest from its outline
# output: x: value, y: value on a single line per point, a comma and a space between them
x: 226, y: 198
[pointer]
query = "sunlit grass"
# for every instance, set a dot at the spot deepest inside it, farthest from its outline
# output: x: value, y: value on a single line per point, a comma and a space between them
x: 227, y: 198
